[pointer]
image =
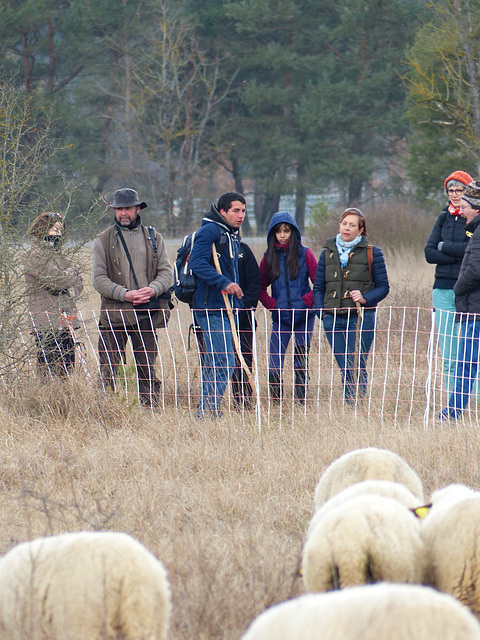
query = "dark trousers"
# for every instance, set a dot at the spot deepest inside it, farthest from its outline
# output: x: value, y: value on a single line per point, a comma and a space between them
x: 55, y: 353
x: 112, y: 342
x: 241, y: 387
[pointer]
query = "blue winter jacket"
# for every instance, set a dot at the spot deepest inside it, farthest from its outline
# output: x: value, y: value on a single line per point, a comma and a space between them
x: 288, y: 293
x: 467, y: 287
x: 214, y: 229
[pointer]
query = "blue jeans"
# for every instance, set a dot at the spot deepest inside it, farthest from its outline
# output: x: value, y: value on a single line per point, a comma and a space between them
x: 443, y: 301
x: 280, y: 339
x: 467, y: 366
x: 218, y: 361
x: 340, y: 329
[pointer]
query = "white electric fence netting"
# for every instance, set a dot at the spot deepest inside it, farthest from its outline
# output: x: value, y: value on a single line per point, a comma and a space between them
x: 406, y: 381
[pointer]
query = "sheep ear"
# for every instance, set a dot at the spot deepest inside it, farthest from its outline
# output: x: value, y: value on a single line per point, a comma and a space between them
x: 422, y: 512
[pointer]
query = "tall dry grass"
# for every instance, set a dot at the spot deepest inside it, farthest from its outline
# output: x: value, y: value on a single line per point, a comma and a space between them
x: 223, y: 506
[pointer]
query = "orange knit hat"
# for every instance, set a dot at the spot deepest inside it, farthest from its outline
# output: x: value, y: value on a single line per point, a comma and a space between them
x: 461, y: 176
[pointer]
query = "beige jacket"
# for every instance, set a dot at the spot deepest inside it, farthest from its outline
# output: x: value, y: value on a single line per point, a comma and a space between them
x: 112, y: 276
x: 53, y: 286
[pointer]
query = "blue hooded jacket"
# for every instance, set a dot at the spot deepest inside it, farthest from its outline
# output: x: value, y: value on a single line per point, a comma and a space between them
x: 288, y: 293
x: 215, y: 229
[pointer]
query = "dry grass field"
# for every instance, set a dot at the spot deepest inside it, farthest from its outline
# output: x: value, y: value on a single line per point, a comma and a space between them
x: 223, y: 506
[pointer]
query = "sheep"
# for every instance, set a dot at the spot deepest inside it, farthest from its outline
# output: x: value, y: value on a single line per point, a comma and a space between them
x: 366, y: 539
x: 452, y: 493
x: 74, y: 586
x: 371, y: 612
x: 451, y: 534
x: 366, y: 464
x: 385, y: 488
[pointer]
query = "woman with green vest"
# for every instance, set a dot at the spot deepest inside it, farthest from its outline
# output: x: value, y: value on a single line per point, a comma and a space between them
x: 351, y: 276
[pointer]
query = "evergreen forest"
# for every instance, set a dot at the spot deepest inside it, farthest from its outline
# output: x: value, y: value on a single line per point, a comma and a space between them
x: 347, y: 101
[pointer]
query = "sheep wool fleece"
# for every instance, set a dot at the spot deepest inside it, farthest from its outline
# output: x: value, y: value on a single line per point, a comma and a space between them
x: 366, y: 464
x: 367, y: 539
x: 83, y: 586
x: 451, y: 534
x: 384, y: 488
x: 372, y: 612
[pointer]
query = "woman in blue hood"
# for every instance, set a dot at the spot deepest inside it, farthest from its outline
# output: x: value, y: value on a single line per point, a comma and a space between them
x: 288, y: 267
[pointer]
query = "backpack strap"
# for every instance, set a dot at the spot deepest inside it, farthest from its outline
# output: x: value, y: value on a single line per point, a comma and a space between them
x: 152, y: 236
x: 370, y: 257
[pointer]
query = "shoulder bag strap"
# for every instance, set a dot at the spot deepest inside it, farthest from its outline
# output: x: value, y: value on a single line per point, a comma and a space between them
x: 127, y: 253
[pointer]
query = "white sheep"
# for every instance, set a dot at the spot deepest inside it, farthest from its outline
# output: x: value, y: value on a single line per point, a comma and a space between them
x: 84, y: 585
x: 385, y: 488
x: 452, y: 493
x: 375, y: 612
x: 367, y: 539
x: 366, y: 464
x: 451, y: 534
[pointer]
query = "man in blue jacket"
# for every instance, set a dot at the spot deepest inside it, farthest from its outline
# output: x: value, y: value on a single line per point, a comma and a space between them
x: 220, y: 232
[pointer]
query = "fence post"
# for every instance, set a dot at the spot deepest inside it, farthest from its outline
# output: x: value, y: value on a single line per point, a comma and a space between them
x: 428, y: 382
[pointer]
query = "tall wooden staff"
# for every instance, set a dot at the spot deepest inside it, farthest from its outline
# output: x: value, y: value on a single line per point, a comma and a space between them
x: 357, y: 338
x: 236, y: 341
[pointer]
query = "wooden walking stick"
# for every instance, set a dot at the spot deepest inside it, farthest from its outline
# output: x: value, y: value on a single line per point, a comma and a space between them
x: 356, y: 355
x: 236, y: 341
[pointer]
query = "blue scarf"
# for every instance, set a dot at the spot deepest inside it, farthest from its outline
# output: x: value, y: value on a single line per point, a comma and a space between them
x: 344, y: 248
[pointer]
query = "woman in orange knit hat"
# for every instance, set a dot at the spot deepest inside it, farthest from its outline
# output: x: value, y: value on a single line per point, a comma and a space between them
x: 445, y: 248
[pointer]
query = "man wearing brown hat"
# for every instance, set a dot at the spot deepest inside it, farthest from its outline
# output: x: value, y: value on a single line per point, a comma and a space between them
x: 467, y: 304
x: 131, y: 271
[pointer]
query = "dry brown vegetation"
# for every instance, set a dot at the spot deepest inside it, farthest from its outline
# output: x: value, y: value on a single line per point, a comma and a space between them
x: 223, y: 506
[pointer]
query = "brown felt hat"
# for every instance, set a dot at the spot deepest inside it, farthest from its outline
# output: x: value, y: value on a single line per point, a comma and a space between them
x: 123, y: 198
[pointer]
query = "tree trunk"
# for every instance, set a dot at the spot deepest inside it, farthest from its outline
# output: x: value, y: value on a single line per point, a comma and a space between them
x: 466, y: 36
x: 237, y: 179
x: 52, y: 58
x: 27, y: 62
x: 170, y: 199
x: 355, y: 182
x: 104, y: 174
x: 127, y: 102
x: 355, y: 185
x: 270, y: 206
x: 301, y: 196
